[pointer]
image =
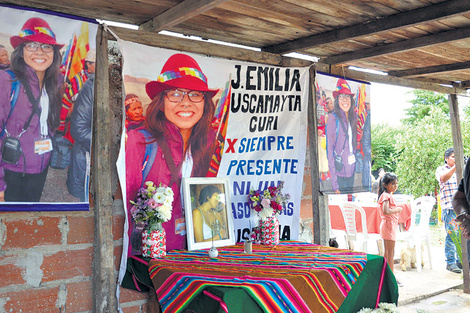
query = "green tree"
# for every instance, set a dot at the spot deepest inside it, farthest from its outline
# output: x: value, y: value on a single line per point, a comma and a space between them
x: 422, y: 103
x: 384, y: 153
x: 422, y: 147
x: 415, y: 149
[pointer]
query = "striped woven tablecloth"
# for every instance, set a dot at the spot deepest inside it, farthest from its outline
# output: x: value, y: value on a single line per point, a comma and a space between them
x: 289, y: 277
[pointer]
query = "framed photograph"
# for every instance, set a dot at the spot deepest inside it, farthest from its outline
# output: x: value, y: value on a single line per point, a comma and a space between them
x: 208, y: 215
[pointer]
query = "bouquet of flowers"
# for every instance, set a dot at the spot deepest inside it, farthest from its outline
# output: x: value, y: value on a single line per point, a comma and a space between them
x: 268, y: 202
x: 152, y: 205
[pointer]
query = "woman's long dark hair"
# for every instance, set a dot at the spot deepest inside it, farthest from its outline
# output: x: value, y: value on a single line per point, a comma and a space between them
x: 384, y: 181
x: 351, y: 118
x: 51, y: 82
x: 206, y: 193
x: 155, y: 124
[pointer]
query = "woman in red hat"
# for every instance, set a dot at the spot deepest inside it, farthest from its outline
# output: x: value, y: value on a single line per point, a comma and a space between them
x: 178, y: 119
x: 31, y: 118
x: 342, y: 134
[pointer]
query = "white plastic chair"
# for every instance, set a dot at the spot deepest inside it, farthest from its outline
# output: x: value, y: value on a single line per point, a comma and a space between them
x: 348, y: 209
x: 401, y: 198
x: 366, y: 198
x: 419, y: 230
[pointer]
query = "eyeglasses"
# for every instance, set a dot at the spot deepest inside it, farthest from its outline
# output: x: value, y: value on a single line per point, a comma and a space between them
x: 343, y: 96
x: 178, y: 95
x: 33, y: 47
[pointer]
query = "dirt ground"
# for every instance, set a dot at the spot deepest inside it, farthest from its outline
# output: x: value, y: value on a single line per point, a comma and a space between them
x: 55, y: 189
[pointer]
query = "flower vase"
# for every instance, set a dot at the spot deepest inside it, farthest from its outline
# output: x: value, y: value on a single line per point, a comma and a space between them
x: 269, y: 231
x: 154, y: 242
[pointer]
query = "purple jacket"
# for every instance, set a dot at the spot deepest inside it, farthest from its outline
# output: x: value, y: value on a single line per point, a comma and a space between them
x: 35, y: 163
x: 159, y: 173
x: 335, y: 144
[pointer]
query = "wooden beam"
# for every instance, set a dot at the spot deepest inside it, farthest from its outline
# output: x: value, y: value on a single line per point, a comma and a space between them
x: 396, y: 21
x: 464, y: 84
x: 179, y: 13
x: 216, y: 50
x: 104, y: 273
x: 318, y: 230
x: 400, y: 46
x: 206, y: 48
x: 459, y: 164
x: 320, y: 211
x: 386, y: 79
x: 431, y: 69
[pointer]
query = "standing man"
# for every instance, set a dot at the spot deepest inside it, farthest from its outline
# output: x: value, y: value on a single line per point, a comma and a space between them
x: 447, y: 179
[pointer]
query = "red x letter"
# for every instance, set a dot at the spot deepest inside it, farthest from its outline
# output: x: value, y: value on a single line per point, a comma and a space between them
x: 231, y: 145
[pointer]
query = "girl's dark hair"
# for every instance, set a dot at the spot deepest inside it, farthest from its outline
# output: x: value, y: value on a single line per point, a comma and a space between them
x: 207, y: 192
x: 51, y: 82
x: 351, y: 117
x: 384, y: 181
x: 155, y: 124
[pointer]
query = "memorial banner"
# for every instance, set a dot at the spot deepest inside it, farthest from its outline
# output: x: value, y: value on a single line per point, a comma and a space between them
x: 45, y: 60
x: 344, y: 134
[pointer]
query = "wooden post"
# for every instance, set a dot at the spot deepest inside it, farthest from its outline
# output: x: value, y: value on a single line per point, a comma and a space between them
x: 320, y: 215
x: 459, y: 164
x: 104, y: 274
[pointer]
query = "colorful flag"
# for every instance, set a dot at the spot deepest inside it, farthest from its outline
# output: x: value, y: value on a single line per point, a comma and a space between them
x: 82, y: 48
x: 361, y: 114
x: 219, y: 124
x: 67, y: 57
x: 75, y: 77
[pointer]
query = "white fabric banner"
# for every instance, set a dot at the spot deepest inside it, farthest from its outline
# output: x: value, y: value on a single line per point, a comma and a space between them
x: 266, y: 140
x: 265, y: 135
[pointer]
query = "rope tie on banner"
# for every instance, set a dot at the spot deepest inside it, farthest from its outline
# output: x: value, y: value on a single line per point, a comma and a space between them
x: 106, y: 28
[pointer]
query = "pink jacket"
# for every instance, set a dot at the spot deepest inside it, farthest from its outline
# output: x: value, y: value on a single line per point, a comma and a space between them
x: 159, y: 173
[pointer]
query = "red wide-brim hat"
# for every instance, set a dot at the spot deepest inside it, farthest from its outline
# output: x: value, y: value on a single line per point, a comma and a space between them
x: 342, y: 87
x: 35, y: 29
x: 180, y: 71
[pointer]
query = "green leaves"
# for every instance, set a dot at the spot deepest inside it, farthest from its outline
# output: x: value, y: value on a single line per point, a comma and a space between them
x: 415, y: 149
x: 384, y: 152
x: 422, y: 104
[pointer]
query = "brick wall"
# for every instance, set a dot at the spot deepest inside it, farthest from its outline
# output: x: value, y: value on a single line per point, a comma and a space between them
x: 45, y: 262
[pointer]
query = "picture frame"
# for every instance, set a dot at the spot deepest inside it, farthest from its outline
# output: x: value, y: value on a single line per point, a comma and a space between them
x: 210, y: 223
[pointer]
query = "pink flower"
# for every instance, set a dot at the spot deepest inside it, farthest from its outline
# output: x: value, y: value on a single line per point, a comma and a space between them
x: 265, y: 203
x: 153, y: 204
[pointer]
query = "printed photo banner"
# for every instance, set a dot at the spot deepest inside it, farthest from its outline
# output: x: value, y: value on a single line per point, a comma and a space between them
x: 46, y: 167
x: 344, y: 134
x: 257, y: 134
